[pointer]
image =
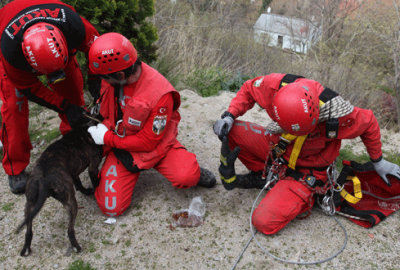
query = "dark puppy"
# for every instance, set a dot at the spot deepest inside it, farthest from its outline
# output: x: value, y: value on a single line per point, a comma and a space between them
x: 55, y: 174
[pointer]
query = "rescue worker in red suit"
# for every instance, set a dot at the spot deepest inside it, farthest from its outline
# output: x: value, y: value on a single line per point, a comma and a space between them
x: 39, y: 37
x: 296, y: 143
x: 140, y: 125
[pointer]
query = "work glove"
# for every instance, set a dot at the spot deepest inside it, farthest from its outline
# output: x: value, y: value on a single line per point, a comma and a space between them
x: 76, y: 115
x: 223, y: 126
x: 94, y: 86
x: 227, y: 167
x: 384, y: 168
x: 98, y: 132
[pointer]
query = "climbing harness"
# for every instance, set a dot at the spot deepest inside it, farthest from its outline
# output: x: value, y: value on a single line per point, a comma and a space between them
x: 328, y: 204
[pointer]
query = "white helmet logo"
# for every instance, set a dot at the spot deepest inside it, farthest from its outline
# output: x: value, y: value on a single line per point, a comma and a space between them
x: 107, y: 52
x: 304, y: 105
x: 276, y: 113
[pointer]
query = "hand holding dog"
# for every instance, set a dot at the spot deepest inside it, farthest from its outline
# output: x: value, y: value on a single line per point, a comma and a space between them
x: 98, y: 132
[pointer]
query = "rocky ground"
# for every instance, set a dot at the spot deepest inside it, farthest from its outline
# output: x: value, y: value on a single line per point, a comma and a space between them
x: 145, y: 237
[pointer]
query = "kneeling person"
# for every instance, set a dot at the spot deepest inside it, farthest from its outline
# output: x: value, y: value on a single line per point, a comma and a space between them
x: 140, y: 126
x: 304, y: 139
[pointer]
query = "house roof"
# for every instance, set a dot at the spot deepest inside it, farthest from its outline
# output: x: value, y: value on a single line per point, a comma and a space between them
x: 288, y: 26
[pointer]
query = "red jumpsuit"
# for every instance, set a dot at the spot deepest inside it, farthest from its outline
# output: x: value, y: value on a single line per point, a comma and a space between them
x: 18, y: 82
x: 289, y: 197
x: 150, y: 118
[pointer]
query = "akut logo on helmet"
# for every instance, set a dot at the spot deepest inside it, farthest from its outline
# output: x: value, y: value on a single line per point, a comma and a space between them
x: 107, y: 52
x: 304, y: 105
x: 31, y: 56
x: 53, y: 47
x: 276, y: 113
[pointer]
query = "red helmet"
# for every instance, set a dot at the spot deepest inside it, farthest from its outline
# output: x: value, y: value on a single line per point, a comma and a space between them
x: 45, y: 48
x: 110, y: 53
x: 296, y: 109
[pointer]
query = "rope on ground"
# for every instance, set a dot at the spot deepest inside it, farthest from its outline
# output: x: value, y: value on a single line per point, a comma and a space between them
x: 253, y: 233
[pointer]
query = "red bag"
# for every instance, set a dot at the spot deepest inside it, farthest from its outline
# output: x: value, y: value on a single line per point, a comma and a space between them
x: 378, y: 200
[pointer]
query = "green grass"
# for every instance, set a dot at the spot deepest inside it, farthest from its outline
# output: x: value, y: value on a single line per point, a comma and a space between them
x: 206, y: 81
x: 347, y: 153
x: 35, y: 110
x: 80, y: 265
x: 47, y: 135
x: 92, y: 247
x: 7, y: 206
x: 210, y: 81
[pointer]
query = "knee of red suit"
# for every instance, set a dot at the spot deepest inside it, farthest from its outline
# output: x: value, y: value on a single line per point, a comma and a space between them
x: 184, y: 178
x: 284, y: 202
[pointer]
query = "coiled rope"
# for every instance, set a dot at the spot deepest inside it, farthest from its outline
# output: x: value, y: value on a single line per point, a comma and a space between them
x: 253, y: 233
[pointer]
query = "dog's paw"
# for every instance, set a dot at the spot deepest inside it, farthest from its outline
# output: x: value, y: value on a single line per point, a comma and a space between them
x: 76, y: 248
x: 25, y: 251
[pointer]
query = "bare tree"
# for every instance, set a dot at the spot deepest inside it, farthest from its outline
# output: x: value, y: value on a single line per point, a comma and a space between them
x: 382, y: 19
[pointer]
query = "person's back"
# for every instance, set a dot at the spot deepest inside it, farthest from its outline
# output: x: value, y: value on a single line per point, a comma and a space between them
x: 39, y: 37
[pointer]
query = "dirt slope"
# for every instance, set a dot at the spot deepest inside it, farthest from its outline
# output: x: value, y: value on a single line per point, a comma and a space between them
x: 143, y: 237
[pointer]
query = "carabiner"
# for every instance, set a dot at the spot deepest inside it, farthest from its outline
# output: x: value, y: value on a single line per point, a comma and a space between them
x: 95, y: 110
x: 116, y: 129
x: 338, y: 188
x: 328, y: 206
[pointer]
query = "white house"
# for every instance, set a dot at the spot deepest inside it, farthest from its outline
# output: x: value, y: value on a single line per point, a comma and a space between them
x: 285, y: 32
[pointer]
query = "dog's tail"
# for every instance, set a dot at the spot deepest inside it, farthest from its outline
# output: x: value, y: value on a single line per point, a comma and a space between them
x: 41, y: 199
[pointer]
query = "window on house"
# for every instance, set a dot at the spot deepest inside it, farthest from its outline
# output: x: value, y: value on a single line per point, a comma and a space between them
x: 280, y: 41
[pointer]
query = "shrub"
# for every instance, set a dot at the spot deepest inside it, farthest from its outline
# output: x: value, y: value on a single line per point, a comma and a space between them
x: 127, y: 17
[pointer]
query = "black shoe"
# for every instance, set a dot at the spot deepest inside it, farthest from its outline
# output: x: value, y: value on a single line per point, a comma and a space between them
x: 18, y: 182
x: 207, y: 178
x: 251, y: 180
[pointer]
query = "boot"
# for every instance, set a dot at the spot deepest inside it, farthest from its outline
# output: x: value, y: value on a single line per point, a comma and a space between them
x: 251, y: 180
x: 207, y: 178
x: 18, y: 182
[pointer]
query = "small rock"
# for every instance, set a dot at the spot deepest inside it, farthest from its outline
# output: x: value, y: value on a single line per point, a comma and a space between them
x: 68, y: 252
x: 110, y: 221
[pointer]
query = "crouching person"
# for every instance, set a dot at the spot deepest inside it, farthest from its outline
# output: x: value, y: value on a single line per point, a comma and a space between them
x: 298, y: 147
x: 140, y: 126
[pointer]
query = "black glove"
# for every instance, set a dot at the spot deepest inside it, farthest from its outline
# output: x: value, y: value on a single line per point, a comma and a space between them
x: 94, y: 86
x: 126, y: 159
x: 76, y: 115
x: 227, y: 166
